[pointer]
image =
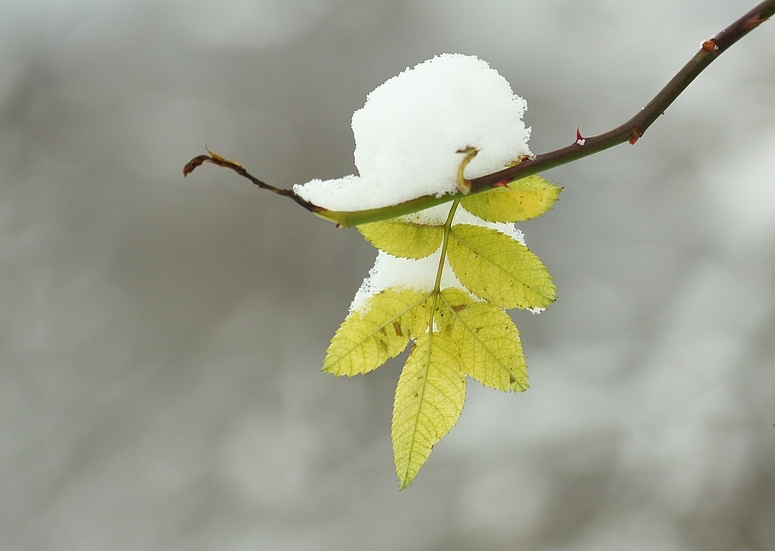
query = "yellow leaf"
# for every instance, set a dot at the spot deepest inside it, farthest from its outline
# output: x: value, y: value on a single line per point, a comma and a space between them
x: 368, y: 338
x: 520, y: 200
x: 488, y: 341
x: 402, y: 239
x: 499, y: 269
x: 429, y: 398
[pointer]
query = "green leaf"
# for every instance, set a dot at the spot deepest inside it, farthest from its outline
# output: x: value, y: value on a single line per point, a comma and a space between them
x: 520, y: 200
x: 499, y: 269
x: 455, y: 334
x: 368, y: 338
x: 490, y: 349
x: 402, y: 239
x: 429, y: 398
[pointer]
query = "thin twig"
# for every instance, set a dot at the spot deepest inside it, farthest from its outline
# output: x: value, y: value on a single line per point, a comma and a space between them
x: 634, y: 128
x: 630, y: 132
x: 216, y: 159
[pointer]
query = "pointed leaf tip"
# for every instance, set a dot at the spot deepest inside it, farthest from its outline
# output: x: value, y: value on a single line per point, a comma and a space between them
x: 489, y: 346
x: 429, y: 398
x: 368, y: 338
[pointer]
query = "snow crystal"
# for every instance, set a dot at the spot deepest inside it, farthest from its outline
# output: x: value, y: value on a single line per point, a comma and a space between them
x: 409, y: 131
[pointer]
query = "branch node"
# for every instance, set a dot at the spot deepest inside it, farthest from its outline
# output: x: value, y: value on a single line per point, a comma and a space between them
x: 710, y: 45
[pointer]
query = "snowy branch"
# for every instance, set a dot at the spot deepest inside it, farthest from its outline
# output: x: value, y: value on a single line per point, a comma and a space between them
x: 582, y: 147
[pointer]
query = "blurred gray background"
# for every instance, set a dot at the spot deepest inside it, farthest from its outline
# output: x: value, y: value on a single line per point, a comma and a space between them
x: 161, y: 338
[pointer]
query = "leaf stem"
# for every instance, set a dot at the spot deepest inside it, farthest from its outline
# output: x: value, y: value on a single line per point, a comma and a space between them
x: 630, y: 132
x: 444, y: 244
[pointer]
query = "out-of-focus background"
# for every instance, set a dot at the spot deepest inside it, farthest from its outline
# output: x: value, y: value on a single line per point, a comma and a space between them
x: 161, y: 338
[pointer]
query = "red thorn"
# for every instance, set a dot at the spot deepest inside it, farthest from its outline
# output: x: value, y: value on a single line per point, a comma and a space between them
x: 636, y: 134
x: 754, y: 22
x: 501, y: 183
x: 710, y: 45
x: 580, y: 140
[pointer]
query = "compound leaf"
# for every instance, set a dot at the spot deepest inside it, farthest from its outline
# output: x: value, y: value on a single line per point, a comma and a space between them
x: 429, y: 398
x: 521, y: 200
x: 403, y: 239
x: 381, y: 330
x: 498, y: 268
x: 490, y: 349
x: 455, y: 334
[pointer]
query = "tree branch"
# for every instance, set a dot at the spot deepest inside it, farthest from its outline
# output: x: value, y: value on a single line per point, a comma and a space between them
x: 630, y: 132
x: 216, y: 159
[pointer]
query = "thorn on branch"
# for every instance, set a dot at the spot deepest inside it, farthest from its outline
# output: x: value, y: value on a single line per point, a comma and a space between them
x: 754, y: 22
x: 521, y: 159
x: 580, y: 140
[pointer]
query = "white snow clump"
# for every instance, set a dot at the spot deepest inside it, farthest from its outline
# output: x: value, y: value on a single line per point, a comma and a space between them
x: 408, y: 132
x: 407, y: 139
